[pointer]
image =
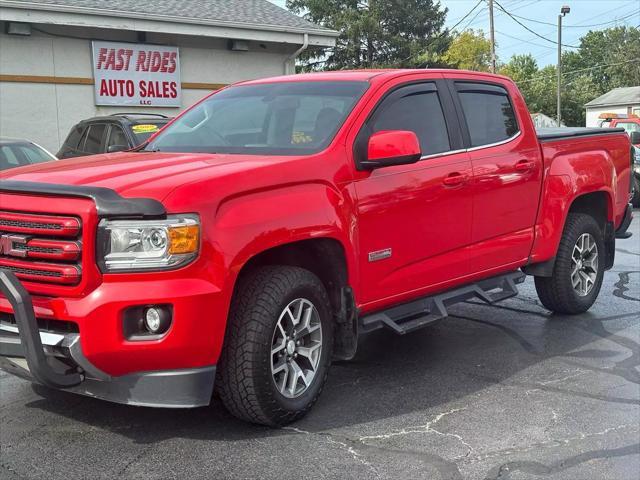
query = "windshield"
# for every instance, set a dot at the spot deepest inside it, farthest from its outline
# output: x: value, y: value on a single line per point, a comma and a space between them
x: 273, y: 119
x: 142, y: 131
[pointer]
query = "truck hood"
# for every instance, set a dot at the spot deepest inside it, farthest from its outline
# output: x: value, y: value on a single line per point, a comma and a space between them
x: 136, y: 174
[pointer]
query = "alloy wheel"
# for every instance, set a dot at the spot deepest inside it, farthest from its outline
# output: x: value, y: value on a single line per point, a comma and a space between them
x: 584, y: 264
x: 296, y: 348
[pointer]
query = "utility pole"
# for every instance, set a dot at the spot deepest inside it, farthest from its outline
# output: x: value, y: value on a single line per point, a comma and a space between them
x: 492, y: 35
x: 563, y: 11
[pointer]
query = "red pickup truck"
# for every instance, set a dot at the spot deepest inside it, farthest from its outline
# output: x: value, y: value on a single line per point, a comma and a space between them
x: 262, y: 231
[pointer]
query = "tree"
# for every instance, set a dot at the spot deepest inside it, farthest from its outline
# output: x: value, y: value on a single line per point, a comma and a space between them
x: 520, y: 68
x: 611, y: 57
x: 606, y: 59
x: 469, y: 51
x: 376, y: 33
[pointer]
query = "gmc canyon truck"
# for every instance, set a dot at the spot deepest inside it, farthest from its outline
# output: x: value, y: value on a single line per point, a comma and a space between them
x: 254, y: 238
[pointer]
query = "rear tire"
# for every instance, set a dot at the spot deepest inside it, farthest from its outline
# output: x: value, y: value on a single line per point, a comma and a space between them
x: 272, y: 369
x: 578, y: 270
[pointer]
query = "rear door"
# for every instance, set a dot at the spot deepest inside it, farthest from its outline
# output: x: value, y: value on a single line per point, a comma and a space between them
x: 507, y: 172
x: 414, y: 220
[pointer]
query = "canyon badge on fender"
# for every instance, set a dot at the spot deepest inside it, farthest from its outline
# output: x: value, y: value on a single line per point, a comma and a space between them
x: 379, y: 255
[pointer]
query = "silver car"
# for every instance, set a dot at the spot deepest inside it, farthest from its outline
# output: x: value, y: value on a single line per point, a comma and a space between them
x: 16, y: 152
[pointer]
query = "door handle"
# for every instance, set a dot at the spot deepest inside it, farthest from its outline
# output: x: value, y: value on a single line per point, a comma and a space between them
x: 454, y: 179
x: 524, y: 166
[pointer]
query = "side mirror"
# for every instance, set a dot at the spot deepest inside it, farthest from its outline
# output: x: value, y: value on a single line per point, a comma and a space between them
x: 392, y: 147
x: 117, y: 148
x: 635, y: 138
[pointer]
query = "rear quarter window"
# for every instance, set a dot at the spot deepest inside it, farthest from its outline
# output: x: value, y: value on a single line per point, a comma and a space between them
x: 74, y: 137
x: 488, y: 112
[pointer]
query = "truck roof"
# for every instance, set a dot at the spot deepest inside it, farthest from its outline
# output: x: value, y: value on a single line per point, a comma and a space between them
x: 365, y: 75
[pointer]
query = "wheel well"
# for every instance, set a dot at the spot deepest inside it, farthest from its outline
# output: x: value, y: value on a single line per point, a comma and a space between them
x: 324, y: 257
x: 595, y: 204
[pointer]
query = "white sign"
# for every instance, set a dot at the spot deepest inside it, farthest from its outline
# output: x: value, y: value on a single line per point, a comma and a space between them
x: 132, y: 74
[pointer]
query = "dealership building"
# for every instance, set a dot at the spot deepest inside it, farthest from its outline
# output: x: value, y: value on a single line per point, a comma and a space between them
x: 62, y: 61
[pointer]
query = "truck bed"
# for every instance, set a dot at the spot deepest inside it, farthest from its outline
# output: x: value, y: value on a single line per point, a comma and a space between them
x: 559, y: 133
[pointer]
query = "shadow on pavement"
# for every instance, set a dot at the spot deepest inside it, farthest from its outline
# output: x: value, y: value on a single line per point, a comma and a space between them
x: 477, y: 347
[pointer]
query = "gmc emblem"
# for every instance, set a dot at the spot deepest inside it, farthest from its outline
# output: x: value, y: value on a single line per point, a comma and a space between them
x: 7, y: 243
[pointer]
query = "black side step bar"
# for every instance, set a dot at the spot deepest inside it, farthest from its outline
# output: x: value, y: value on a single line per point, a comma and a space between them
x: 420, y: 313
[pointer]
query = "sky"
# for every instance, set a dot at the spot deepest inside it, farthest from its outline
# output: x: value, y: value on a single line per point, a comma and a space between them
x: 512, y: 38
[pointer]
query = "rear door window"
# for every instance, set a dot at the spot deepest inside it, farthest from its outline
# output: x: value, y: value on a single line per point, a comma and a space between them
x: 93, y: 142
x: 488, y: 113
x: 416, y: 108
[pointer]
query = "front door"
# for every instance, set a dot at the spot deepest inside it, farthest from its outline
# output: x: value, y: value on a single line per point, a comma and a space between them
x: 414, y: 220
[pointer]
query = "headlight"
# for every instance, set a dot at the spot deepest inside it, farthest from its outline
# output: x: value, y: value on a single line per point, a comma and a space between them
x: 135, y: 245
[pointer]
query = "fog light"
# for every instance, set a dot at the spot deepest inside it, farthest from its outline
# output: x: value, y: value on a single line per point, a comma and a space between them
x: 156, y: 320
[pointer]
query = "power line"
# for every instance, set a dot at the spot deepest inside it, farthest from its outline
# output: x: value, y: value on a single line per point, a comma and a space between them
x: 529, y: 30
x: 577, y: 26
x: 526, y: 41
x: 540, y: 56
x: 468, y: 13
x: 635, y: 60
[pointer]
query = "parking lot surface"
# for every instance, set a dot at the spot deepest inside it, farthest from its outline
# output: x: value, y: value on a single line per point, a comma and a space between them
x: 493, y: 392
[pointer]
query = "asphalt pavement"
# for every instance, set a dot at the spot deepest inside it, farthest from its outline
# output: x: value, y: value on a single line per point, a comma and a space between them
x: 493, y: 392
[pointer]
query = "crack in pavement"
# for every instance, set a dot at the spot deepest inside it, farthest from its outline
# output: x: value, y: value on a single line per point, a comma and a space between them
x: 426, y: 428
x: 447, y: 468
x: 553, y: 443
x: 342, y: 445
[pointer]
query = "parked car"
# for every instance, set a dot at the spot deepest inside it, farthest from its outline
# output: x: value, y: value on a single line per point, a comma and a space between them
x: 630, y: 123
x: 252, y: 240
x: 113, y: 133
x: 16, y: 152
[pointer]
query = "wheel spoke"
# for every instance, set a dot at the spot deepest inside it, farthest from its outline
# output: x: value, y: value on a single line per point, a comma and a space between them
x: 296, y: 373
x: 309, y: 352
x: 282, y: 384
x: 279, y: 347
x: 592, y: 262
x: 575, y: 279
x: 280, y: 366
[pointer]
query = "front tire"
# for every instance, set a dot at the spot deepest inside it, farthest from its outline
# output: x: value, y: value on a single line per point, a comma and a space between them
x: 278, y: 346
x: 578, y: 270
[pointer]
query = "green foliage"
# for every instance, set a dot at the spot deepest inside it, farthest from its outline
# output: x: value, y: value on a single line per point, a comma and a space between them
x: 605, y: 60
x: 469, y: 51
x: 376, y: 33
x: 616, y: 47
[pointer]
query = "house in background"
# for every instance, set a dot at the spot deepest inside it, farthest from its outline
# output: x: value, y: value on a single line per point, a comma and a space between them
x: 625, y: 100
x: 540, y: 120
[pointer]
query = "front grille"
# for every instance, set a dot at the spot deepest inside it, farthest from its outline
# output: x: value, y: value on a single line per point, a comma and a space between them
x: 41, y: 248
x: 44, y: 324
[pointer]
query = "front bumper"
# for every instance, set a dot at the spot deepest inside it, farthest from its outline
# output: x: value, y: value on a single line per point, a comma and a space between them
x: 57, y: 360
